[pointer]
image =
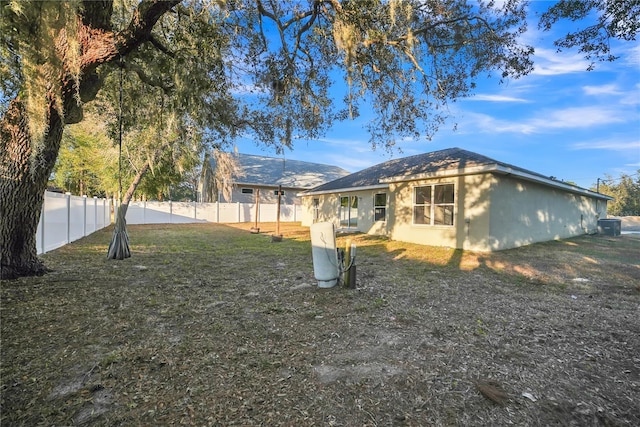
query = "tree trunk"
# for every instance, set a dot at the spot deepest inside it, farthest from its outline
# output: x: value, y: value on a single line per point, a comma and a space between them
x: 25, y: 165
x: 119, y: 246
x: 24, y: 172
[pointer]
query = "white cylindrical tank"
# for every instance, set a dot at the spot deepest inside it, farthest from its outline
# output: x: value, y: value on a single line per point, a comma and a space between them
x: 325, y: 258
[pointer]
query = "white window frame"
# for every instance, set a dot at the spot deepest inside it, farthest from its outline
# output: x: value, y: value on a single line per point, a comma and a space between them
x: 432, y: 205
x: 376, y: 207
x: 315, y: 204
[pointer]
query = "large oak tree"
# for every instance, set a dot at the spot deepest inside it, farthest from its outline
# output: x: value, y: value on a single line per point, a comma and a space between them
x: 277, y: 59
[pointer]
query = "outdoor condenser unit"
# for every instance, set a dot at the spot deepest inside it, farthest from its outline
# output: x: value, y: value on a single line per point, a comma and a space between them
x: 325, y: 257
x: 609, y: 226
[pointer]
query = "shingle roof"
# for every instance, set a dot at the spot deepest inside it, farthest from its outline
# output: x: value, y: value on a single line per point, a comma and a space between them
x: 270, y: 171
x: 455, y: 160
x: 435, y: 161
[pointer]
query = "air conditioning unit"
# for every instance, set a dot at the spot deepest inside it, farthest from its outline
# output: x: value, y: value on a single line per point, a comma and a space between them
x: 609, y: 226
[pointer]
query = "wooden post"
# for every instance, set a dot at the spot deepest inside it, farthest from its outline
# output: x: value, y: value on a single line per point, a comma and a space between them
x: 255, y: 229
x: 347, y: 260
x: 278, y: 237
x: 278, y: 211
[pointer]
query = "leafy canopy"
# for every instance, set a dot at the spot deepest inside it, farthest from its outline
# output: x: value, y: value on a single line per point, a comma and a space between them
x: 266, y: 68
x: 626, y: 192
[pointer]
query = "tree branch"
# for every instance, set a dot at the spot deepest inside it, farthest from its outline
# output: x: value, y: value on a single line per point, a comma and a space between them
x: 161, y: 47
x: 101, y: 46
x: 145, y: 78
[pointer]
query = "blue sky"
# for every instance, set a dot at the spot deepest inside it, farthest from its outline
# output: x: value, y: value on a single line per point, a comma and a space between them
x: 560, y: 120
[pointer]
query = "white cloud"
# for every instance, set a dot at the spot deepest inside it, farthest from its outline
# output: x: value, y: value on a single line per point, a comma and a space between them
x: 610, y: 144
x: 488, y: 124
x: 351, y: 163
x: 609, y: 89
x: 496, y: 98
x: 578, y: 118
x: 632, y: 97
x: 548, y: 62
x: 567, y: 118
x: 632, y: 56
x: 353, y: 145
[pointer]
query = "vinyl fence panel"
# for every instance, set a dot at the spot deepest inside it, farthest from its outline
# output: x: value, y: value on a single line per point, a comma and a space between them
x: 184, y: 212
x: 66, y: 218
x: 90, y: 216
x: 188, y: 212
x: 56, y: 215
x: 76, y: 218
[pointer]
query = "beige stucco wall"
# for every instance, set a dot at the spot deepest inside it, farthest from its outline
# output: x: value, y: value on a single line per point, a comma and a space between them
x: 330, y: 209
x: 524, y: 212
x: 471, y: 216
x: 492, y: 212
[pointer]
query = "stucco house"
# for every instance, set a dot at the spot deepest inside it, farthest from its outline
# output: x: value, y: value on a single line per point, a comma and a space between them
x: 455, y: 198
x: 266, y: 174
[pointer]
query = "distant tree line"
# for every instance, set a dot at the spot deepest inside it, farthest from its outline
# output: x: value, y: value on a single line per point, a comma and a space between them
x: 626, y: 191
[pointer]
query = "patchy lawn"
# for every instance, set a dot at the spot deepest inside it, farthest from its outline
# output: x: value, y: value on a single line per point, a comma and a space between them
x: 209, y: 324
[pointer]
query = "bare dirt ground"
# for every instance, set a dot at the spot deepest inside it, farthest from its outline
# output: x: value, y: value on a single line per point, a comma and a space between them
x: 209, y: 324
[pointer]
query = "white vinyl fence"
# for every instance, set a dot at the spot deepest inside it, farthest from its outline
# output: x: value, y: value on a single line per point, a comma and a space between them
x: 66, y: 218
x: 185, y: 212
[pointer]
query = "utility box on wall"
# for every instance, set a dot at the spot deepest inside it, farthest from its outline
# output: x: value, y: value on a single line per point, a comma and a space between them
x: 609, y: 226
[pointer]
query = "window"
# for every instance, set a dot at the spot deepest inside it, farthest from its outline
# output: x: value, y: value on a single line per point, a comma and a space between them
x: 433, y: 204
x: 275, y: 192
x: 316, y: 209
x: 422, y: 205
x: 246, y: 190
x: 380, y: 207
x: 349, y: 211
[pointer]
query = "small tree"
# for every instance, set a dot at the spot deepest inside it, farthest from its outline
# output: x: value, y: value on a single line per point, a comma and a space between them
x: 626, y: 193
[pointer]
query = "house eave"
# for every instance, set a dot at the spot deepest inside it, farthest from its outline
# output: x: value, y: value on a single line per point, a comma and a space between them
x: 505, y: 170
x: 262, y: 185
x: 345, y: 190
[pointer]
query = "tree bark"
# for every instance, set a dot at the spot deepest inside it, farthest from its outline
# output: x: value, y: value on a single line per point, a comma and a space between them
x: 24, y: 173
x: 25, y: 165
x: 119, y: 246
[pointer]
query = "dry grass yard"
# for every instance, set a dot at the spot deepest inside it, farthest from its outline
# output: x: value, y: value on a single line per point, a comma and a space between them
x: 209, y: 324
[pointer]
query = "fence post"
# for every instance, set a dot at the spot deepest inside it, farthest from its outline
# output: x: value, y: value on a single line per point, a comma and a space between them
x: 42, y: 223
x: 95, y: 213
x: 84, y: 216
x: 68, y: 217
x: 217, y: 211
x: 238, y: 203
x: 195, y: 210
x: 170, y: 212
